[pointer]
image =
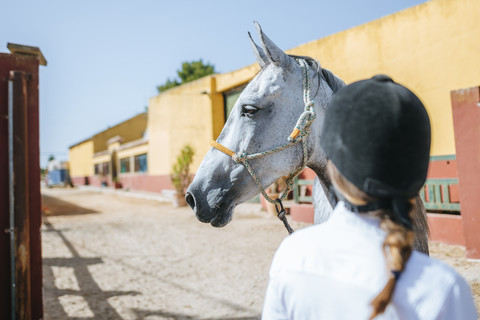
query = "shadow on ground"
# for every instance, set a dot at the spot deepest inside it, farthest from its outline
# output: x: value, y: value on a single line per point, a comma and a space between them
x: 95, y: 297
x: 142, y: 314
x: 52, y: 206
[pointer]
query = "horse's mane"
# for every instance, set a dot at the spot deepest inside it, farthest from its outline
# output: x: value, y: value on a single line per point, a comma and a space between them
x: 333, y: 81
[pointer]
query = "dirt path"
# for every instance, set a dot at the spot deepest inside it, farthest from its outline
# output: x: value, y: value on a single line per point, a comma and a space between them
x: 108, y: 256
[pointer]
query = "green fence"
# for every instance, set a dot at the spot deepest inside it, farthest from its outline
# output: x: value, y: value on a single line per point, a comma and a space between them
x: 439, y: 195
x: 437, y: 190
x: 299, y: 190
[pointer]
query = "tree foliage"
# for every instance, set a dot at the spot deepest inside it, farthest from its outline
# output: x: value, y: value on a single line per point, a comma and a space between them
x: 190, y: 71
x: 169, y: 84
x: 194, y: 70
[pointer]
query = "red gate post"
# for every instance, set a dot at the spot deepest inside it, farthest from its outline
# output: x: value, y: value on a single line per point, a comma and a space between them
x: 18, y: 118
x: 466, y: 123
x: 25, y: 62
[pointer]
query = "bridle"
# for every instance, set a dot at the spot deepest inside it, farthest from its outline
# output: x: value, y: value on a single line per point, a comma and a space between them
x: 299, y: 134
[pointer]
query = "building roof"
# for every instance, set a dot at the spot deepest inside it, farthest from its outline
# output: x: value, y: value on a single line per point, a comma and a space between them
x: 100, y: 132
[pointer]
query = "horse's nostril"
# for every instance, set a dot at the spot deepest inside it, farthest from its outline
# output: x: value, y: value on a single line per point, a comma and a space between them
x: 190, y: 200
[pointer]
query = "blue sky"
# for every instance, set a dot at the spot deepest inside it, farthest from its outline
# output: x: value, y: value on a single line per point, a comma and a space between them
x: 105, y: 58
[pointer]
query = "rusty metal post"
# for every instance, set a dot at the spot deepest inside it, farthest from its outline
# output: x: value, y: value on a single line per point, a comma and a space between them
x: 18, y: 97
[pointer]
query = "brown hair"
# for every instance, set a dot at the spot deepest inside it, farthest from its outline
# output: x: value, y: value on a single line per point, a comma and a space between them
x: 397, y: 246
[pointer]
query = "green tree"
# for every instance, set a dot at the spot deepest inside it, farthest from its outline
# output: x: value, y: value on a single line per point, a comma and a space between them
x: 169, y: 84
x: 195, y: 70
x: 190, y: 71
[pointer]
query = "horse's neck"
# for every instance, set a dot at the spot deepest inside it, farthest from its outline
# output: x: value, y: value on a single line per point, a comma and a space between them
x: 317, y: 160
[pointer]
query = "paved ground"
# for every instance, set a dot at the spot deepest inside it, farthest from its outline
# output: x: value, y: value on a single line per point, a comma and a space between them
x: 109, y: 256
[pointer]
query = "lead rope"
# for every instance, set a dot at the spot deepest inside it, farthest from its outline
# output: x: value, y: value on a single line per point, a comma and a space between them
x: 299, y: 134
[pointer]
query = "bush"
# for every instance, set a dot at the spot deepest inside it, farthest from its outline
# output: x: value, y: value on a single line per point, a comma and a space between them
x: 181, y: 177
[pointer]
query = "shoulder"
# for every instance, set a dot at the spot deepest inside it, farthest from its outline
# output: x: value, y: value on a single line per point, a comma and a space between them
x: 298, y: 247
x: 429, y: 285
x: 423, y: 267
x: 308, y: 237
x: 424, y: 270
x: 300, y: 241
x: 344, y: 237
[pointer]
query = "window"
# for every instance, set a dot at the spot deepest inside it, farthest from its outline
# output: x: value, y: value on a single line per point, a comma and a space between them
x: 102, y: 168
x: 105, y: 168
x: 97, y: 169
x: 125, y: 165
x: 141, y: 163
x: 230, y: 98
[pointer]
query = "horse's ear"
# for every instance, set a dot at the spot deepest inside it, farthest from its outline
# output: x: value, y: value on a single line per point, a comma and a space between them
x: 273, y: 52
x: 262, y: 59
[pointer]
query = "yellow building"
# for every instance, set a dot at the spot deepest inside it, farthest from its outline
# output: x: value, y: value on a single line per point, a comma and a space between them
x: 107, y: 155
x: 192, y: 114
x: 431, y: 48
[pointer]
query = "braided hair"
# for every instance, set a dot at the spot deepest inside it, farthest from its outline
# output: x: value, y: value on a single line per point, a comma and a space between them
x: 398, y: 243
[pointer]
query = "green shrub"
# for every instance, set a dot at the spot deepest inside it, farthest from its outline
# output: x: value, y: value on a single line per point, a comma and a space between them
x: 181, y: 177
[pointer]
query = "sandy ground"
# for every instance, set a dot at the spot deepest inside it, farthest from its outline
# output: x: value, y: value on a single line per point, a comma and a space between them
x: 108, y: 256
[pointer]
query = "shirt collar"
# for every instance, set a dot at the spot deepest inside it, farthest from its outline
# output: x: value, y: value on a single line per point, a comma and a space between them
x: 341, y: 215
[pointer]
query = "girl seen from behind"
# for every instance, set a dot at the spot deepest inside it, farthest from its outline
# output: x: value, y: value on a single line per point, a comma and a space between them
x: 360, y: 264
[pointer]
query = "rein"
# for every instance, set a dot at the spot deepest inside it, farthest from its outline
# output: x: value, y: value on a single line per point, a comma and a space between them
x: 299, y: 134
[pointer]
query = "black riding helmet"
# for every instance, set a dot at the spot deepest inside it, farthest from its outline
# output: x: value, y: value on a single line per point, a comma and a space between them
x: 377, y: 133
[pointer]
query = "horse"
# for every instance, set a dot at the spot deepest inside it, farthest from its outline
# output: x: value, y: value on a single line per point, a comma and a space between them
x: 288, y: 91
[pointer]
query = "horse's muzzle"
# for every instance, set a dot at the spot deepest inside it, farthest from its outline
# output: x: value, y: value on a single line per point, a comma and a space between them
x: 192, y: 203
x: 201, y: 208
x: 217, y: 215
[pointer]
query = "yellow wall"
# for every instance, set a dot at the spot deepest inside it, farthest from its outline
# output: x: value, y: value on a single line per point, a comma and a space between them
x: 81, y: 155
x: 80, y: 158
x: 101, y: 157
x: 113, y: 146
x: 189, y: 114
x: 132, y: 151
x: 432, y: 48
x: 129, y: 130
x: 227, y: 81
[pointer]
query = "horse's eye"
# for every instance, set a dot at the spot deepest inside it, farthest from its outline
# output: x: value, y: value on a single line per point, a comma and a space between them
x: 249, y: 110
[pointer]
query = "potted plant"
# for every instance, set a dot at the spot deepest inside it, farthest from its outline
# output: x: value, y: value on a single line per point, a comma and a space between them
x: 180, y: 176
x: 116, y: 183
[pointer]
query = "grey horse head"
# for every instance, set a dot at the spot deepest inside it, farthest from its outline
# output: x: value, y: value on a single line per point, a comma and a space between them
x: 262, y: 119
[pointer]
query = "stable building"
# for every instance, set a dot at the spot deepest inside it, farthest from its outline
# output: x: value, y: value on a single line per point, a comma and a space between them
x: 431, y: 48
x: 114, y: 157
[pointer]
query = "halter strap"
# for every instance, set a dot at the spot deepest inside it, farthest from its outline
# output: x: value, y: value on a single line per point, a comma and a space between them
x: 222, y: 148
x: 299, y: 134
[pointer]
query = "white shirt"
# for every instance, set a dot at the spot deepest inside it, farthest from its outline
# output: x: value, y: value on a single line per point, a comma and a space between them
x: 335, y: 269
